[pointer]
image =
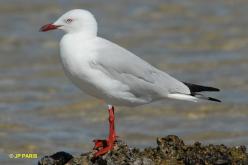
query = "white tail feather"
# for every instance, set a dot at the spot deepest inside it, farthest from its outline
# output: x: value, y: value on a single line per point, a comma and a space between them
x: 195, y: 98
x: 183, y: 97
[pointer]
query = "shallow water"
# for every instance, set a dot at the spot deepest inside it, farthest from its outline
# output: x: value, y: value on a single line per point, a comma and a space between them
x: 204, y: 42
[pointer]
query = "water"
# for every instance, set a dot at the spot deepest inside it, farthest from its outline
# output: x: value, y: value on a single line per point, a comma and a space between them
x: 201, y: 41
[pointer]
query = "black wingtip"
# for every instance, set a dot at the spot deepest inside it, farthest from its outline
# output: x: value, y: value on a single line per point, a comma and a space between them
x: 199, y: 88
x: 214, y: 89
x: 213, y: 99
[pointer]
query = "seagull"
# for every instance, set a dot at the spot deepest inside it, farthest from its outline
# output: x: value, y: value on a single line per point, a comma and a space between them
x: 111, y: 73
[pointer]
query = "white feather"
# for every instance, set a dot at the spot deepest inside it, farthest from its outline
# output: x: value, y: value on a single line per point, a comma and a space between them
x: 183, y: 97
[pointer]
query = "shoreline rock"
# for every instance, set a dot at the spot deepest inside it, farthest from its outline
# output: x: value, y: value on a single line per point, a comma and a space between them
x: 170, y: 150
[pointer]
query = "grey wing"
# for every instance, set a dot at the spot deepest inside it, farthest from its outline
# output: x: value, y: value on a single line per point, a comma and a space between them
x: 142, y: 78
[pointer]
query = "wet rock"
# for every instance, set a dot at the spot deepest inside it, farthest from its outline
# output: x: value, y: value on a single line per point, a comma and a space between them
x: 59, y: 158
x: 170, y: 150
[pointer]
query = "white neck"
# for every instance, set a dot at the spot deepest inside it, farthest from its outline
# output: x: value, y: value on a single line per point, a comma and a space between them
x: 86, y: 30
x: 79, y: 35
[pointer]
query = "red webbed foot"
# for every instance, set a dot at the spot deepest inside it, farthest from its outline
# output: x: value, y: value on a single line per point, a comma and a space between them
x: 99, y: 143
x: 103, y: 150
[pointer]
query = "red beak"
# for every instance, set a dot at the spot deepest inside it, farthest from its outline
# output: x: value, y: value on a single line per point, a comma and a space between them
x: 48, y: 27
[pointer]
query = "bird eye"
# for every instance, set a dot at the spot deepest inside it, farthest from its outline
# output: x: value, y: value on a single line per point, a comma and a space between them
x: 69, y: 20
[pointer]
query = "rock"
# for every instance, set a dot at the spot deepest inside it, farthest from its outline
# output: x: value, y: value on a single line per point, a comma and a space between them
x: 59, y: 158
x: 170, y: 150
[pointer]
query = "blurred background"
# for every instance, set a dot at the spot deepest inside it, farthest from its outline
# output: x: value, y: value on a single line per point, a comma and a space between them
x: 198, y: 41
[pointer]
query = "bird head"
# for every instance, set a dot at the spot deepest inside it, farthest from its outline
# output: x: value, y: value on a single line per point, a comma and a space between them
x: 77, y: 20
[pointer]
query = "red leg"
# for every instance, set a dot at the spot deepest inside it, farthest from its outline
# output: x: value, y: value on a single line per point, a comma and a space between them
x: 104, y: 146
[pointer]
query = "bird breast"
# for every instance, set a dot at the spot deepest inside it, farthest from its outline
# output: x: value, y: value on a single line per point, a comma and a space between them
x: 76, y: 59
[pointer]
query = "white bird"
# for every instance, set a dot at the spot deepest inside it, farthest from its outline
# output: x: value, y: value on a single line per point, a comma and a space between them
x: 110, y: 72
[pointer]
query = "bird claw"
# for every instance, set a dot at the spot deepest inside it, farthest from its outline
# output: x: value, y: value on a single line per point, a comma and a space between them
x: 100, y: 143
x: 103, y: 146
x: 104, y: 150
